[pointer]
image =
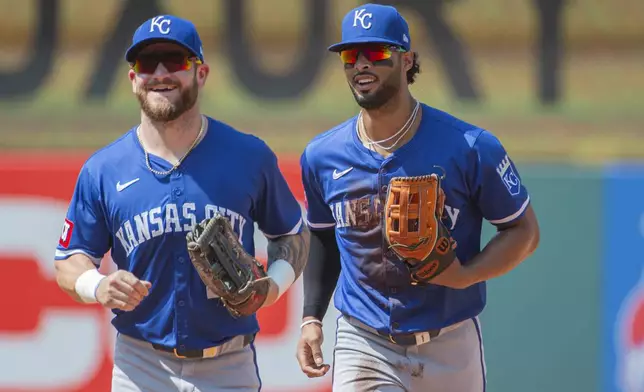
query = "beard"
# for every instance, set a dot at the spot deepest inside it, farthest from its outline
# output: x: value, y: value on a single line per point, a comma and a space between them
x: 382, y: 94
x: 166, y: 110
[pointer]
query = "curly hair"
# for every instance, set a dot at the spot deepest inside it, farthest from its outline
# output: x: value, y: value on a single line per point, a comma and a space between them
x: 414, y: 70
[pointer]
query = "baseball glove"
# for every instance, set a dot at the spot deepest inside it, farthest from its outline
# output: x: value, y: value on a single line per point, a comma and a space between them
x: 414, y: 229
x: 226, y: 268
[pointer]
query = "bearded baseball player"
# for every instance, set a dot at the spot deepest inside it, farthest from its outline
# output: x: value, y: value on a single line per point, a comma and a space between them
x: 175, y: 200
x: 396, y: 197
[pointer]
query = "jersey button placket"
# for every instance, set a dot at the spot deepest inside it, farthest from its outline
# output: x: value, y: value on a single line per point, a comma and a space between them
x: 383, y: 182
x: 181, y: 293
x: 177, y: 195
x: 176, y: 186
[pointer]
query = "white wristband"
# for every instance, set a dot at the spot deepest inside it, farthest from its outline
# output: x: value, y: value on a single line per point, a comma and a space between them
x: 312, y: 321
x: 87, y: 283
x: 282, y: 274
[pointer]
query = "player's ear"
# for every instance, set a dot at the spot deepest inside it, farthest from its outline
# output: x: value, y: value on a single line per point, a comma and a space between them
x: 408, y: 60
x: 202, y: 74
x: 132, y: 76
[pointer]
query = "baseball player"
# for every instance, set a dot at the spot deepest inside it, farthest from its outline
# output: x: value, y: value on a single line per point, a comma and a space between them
x: 140, y: 196
x: 397, y: 332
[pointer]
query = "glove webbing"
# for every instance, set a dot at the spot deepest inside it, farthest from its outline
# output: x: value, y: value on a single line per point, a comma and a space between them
x: 229, y: 268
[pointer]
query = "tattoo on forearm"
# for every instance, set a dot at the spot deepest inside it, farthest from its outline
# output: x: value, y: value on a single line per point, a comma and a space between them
x: 292, y: 248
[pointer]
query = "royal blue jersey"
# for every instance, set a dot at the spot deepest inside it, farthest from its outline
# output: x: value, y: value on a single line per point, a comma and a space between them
x: 118, y: 205
x: 346, y: 185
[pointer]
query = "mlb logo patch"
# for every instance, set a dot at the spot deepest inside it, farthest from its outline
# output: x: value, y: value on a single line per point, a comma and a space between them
x: 509, y: 177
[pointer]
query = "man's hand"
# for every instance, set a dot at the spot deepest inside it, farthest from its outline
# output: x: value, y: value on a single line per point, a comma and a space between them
x: 455, y: 276
x: 309, y: 351
x: 122, y: 290
x: 513, y: 243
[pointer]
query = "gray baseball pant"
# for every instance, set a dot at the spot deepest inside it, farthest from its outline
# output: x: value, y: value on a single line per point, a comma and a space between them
x: 138, y: 367
x: 364, y: 361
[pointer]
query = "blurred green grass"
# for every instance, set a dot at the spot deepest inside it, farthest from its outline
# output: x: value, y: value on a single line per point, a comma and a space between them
x: 600, y: 118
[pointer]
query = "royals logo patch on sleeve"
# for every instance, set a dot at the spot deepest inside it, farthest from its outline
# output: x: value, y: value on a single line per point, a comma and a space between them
x: 508, y: 176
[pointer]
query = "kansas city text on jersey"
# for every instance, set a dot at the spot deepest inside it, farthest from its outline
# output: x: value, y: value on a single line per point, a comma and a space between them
x: 366, y: 212
x: 158, y: 221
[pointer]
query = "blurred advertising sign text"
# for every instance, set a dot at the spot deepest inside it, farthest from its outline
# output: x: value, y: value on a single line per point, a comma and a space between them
x: 50, y: 22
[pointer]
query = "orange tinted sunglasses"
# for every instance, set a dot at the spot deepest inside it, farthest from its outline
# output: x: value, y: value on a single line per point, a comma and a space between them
x: 173, y: 62
x: 372, y: 53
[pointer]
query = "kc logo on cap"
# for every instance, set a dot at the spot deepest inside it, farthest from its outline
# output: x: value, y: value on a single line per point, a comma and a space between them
x: 373, y: 24
x: 167, y: 28
x: 360, y: 15
x: 161, y: 24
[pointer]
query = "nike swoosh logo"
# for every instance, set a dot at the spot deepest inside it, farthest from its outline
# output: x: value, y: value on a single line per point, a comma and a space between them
x: 337, y: 174
x: 120, y: 187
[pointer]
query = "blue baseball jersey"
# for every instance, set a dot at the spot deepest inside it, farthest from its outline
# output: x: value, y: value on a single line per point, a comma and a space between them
x: 118, y: 205
x: 346, y: 185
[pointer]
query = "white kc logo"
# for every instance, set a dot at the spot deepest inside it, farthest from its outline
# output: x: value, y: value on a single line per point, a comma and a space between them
x: 161, y: 24
x: 360, y: 15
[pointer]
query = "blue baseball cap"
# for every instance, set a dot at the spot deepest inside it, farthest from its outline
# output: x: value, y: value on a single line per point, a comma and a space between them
x: 373, y: 23
x: 166, y: 28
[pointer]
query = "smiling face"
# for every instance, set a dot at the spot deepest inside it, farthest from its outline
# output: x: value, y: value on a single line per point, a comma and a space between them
x: 166, y: 80
x: 375, y: 73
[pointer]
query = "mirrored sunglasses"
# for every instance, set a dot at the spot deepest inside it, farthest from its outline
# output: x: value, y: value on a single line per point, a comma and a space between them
x: 372, y: 53
x: 173, y: 62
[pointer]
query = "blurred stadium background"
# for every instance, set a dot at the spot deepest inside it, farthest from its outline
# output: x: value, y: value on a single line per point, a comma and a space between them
x: 560, y: 82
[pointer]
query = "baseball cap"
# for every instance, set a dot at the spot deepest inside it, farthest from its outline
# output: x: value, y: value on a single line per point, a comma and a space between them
x: 373, y: 23
x: 166, y: 28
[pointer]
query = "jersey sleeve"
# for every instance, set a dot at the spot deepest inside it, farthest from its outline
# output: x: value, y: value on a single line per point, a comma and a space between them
x: 318, y: 213
x: 84, y: 228
x: 497, y: 186
x: 277, y: 212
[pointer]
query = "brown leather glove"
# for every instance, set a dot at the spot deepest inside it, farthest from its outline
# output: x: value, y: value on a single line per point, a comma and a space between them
x: 413, y: 226
x: 226, y: 268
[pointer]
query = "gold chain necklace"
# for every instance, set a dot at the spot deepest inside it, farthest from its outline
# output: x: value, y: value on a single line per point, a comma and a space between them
x: 165, y: 173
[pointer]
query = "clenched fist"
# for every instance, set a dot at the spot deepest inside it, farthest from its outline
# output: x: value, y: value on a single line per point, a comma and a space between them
x: 122, y: 290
